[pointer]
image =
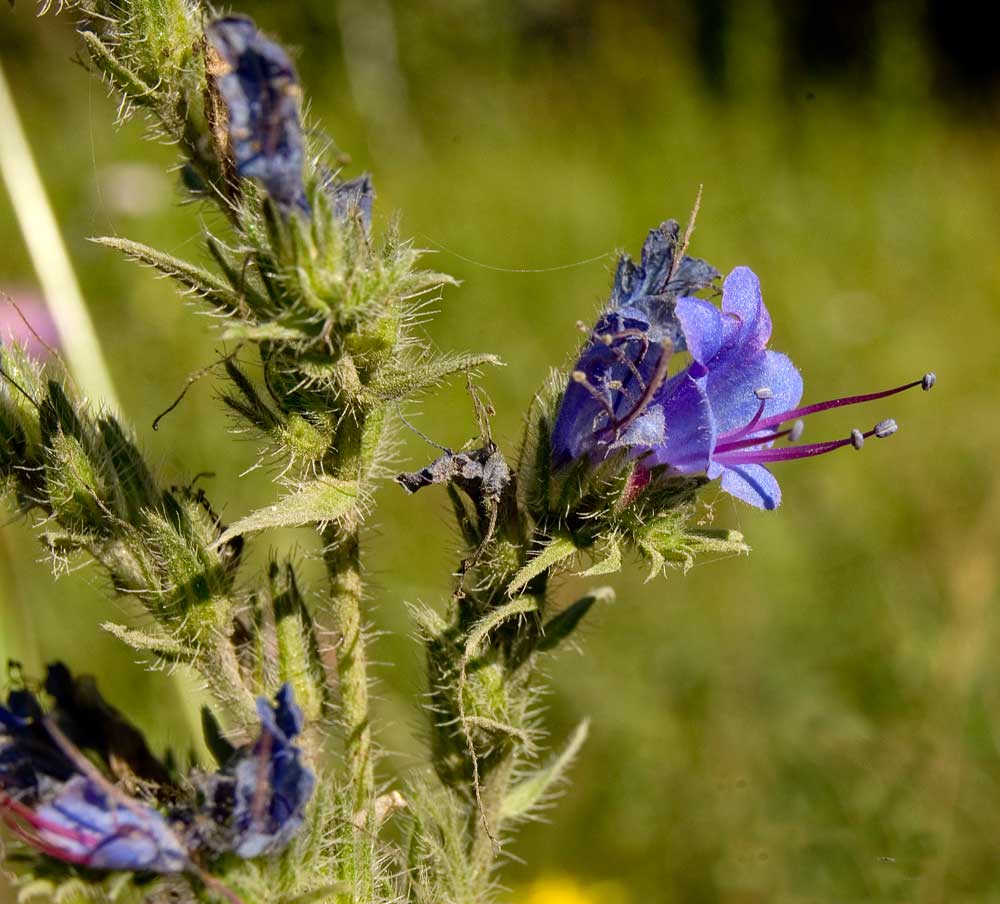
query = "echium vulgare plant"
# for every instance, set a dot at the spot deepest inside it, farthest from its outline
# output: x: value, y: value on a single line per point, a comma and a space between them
x: 670, y: 392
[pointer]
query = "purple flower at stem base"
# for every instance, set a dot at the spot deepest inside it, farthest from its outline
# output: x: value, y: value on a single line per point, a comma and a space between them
x: 89, y: 825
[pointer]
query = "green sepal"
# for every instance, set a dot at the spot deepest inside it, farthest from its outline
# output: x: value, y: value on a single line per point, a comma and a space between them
x: 121, y: 76
x: 248, y: 403
x: 136, y: 487
x: 669, y: 542
x: 299, y: 661
x: 238, y: 277
x: 610, y: 560
x: 521, y: 605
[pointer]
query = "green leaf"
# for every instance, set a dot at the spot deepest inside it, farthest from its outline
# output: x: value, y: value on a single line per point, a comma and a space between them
x: 215, y: 741
x: 521, y: 605
x: 206, y: 284
x: 123, y: 78
x: 262, y: 332
x: 151, y: 641
x: 560, y: 547
x: 392, y: 384
x: 558, y: 628
x: 532, y: 791
x: 315, y: 502
x: 611, y: 563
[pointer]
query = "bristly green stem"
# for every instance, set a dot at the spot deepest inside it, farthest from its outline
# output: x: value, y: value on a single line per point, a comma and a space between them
x: 342, y: 557
x: 343, y: 563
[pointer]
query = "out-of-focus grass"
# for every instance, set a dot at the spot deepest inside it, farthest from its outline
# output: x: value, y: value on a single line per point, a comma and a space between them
x: 818, y: 722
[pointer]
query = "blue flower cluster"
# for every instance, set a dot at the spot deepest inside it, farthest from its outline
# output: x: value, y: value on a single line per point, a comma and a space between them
x: 55, y: 798
x: 718, y: 415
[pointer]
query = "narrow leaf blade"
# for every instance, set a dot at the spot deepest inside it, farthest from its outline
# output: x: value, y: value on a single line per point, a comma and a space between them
x: 530, y: 793
x: 558, y: 628
x: 315, y: 502
x: 558, y: 549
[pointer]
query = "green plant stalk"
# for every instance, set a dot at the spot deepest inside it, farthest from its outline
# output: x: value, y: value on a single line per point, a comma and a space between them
x: 343, y: 562
x: 492, y: 792
x: 77, y: 337
x: 342, y: 555
x: 485, y: 817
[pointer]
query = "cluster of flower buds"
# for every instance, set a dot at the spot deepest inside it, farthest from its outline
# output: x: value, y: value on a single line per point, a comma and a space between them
x: 79, y: 784
x: 720, y: 414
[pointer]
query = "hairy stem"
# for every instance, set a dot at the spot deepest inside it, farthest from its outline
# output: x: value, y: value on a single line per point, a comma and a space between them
x: 493, y: 790
x: 220, y: 668
x: 343, y: 563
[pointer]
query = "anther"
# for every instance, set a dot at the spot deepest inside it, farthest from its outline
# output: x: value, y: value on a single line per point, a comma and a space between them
x: 607, y: 338
x: 657, y: 379
x: 857, y: 438
x: 764, y: 393
x: 886, y: 428
x: 582, y: 327
x: 578, y: 376
x: 928, y: 381
x: 798, y: 428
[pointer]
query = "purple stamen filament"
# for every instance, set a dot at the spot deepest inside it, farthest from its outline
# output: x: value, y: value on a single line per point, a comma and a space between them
x: 786, y: 453
x: 775, y: 419
x: 649, y: 390
x: 734, y: 445
x: 727, y: 450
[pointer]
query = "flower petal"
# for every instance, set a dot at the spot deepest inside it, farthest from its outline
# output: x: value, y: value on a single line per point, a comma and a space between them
x: 648, y: 430
x: 784, y: 380
x: 753, y: 484
x: 703, y: 326
x: 257, y: 82
x: 689, y: 423
x: 355, y: 197
x: 741, y: 296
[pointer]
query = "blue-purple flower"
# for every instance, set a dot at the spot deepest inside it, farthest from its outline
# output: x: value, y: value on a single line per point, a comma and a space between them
x: 256, y: 802
x: 606, y: 404
x: 63, y: 802
x: 258, y: 85
x: 57, y: 801
x: 720, y: 415
x: 93, y: 824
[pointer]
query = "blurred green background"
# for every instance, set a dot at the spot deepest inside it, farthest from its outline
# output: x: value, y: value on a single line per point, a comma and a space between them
x: 819, y: 722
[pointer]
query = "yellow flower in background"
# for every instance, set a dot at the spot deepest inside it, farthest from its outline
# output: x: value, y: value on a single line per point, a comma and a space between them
x: 566, y: 890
